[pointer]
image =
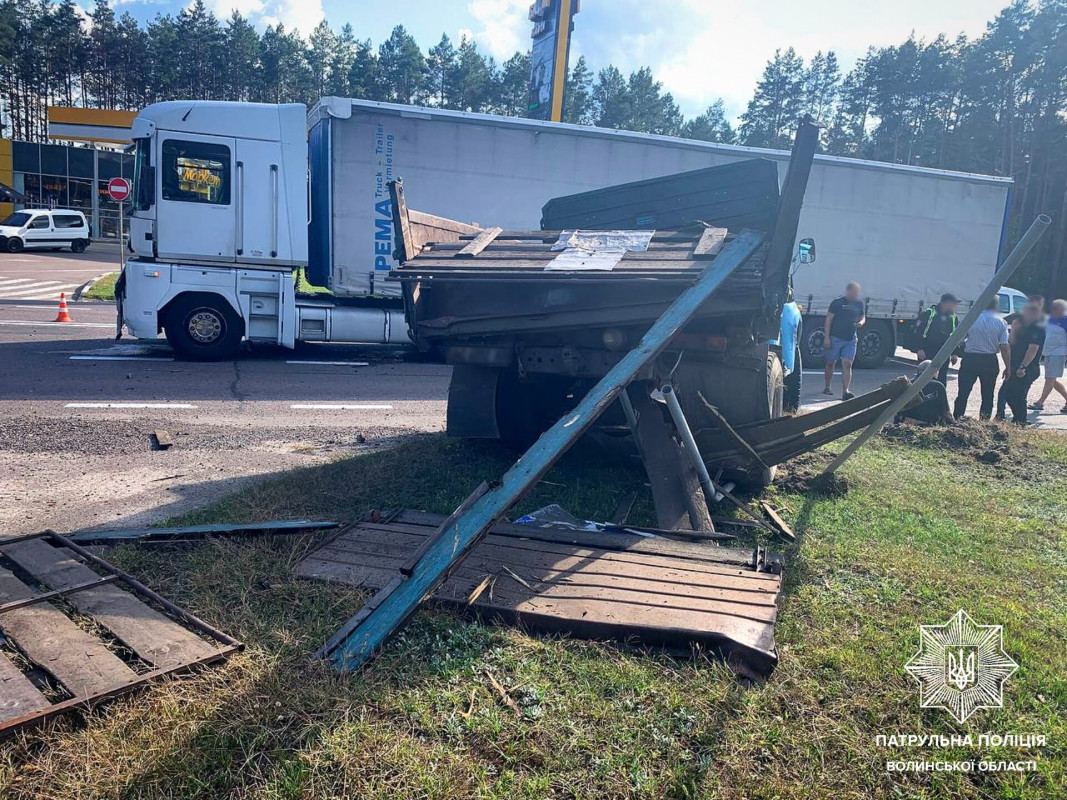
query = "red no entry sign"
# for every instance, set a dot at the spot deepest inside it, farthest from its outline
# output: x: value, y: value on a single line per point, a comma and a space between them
x: 119, y: 189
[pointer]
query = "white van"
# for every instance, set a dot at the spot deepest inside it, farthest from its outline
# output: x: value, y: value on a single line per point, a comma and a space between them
x: 42, y: 228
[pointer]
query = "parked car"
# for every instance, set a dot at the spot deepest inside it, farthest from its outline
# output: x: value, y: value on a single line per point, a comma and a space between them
x: 44, y: 229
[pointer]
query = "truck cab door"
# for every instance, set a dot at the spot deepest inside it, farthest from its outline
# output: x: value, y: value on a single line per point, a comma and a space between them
x: 263, y: 224
x: 196, y: 216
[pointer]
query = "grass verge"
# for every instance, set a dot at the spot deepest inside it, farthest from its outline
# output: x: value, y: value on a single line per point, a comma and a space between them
x: 924, y: 529
x: 103, y: 288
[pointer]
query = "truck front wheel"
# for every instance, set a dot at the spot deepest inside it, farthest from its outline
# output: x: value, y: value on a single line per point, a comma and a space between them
x: 203, y: 327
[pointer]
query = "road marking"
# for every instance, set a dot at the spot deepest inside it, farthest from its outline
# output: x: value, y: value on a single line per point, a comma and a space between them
x: 342, y: 407
x: 119, y: 358
x: 333, y: 363
x: 129, y: 405
x: 12, y: 281
x: 58, y: 324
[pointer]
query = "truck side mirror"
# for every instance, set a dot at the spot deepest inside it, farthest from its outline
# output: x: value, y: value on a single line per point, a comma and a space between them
x: 806, y: 251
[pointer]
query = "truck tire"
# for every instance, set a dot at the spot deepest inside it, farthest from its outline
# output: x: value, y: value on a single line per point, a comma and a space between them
x: 203, y: 327
x: 812, y: 346
x: 876, y: 341
x: 792, y: 383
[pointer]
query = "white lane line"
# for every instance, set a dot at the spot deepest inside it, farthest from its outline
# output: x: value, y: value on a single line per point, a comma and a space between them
x: 333, y: 363
x: 12, y: 281
x: 57, y: 324
x: 120, y: 358
x: 342, y: 406
x: 129, y: 405
x: 45, y: 290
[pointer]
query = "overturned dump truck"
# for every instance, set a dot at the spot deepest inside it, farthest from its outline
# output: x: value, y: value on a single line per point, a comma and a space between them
x: 531, y: 319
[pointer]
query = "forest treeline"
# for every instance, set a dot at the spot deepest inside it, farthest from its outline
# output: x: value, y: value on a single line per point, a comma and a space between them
x: 995, y: 104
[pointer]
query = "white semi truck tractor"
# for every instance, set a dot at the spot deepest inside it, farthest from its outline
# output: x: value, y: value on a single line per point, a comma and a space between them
x: 230, y: 199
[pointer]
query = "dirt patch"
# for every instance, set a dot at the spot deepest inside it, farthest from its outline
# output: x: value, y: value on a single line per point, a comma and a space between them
x: 993, y: 445
x: 803, y: 475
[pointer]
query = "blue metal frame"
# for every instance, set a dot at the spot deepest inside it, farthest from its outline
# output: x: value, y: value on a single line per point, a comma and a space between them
x: 361, y: 636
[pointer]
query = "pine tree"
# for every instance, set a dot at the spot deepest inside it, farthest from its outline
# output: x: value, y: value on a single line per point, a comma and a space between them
x: 512, y: 87
x: 242, y: 58
x: 441, y: 70
x: 471, y: 78
x: 402, y: 68
x: 322, y: 46
x: 578, y: 95
x: 611, y: 99
x: 711, y: 126
x: 778, y: 103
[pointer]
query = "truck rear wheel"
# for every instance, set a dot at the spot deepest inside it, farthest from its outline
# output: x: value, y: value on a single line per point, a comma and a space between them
x: 812, y: 346
x: 876, y: 341
x: 203, y: 327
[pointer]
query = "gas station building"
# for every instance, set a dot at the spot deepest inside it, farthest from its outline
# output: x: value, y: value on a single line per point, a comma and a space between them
x: 71, y: 175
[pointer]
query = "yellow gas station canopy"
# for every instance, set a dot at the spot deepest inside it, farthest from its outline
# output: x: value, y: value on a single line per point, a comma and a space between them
x: 89, y: 124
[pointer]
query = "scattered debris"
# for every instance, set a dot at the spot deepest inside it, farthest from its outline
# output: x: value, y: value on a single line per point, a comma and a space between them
x: 195, y: 532
x: 362, y: 635
x: 780, y: 525
x: 591, y: 584
x: 164, y: 441
x: 50, y: 663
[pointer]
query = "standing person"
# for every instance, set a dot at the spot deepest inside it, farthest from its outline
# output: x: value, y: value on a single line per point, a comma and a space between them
x: 1025, y: 362
x: 1055, y: 354
x: 987, y: 337
x: 844, y: 318
x: 936, y: 324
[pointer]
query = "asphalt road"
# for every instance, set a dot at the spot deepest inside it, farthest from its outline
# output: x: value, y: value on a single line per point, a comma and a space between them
x: 77, y: 410
x: 42, y: 274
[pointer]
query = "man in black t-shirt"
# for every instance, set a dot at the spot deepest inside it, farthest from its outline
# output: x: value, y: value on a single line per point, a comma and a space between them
x: 844, y: 317
x: 1026, y: 346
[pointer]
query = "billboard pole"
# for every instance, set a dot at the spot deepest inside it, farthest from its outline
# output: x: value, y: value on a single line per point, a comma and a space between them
x: 553, y: 20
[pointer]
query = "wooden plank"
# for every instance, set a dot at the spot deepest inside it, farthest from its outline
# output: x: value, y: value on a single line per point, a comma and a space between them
x: 787, y: 218
x: 710, y: 243
x: 780, y: 524
x: 17, y: 695
x: 154, y: 637
x: 164, y: 441
x: 614, y: 541
x: 544, y: 557
x: 75, y: 658
x: 405, y: 244
x: 398, y: 602
x: 479, y: 243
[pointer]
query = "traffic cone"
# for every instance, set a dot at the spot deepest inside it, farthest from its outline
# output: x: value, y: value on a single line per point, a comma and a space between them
x: 63, y: 315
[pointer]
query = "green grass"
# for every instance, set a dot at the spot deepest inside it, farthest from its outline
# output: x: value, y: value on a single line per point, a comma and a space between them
x: 103, y: 288
x: 922, y: 532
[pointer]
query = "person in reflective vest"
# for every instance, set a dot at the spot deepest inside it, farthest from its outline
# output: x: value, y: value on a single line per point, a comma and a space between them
x: 936, y: 324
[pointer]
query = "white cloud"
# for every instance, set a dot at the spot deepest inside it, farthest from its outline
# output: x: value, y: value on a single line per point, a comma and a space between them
x: 503, y: 26
x: 303, y: 15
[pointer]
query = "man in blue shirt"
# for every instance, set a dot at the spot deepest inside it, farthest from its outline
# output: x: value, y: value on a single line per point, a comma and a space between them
x: 845, y: 316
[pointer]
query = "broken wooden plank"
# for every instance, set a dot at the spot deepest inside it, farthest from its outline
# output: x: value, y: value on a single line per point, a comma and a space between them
x: 710, y: 243
x: 75, y: 658
x: 154, y: 637
x: 731, y: 432
x: 164, y: 441
x: 191, y: 532
x: 479, y: 243
x: 405, y: 243
x: 780, y: 525
x: 18, y: 696
x: 397, y: 601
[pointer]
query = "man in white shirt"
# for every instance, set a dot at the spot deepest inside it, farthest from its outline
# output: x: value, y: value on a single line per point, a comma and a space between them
x: 1055, y: 355
x: 987, y: 337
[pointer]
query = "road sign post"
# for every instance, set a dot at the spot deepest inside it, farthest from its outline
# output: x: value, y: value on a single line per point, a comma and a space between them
x: 119, y: 190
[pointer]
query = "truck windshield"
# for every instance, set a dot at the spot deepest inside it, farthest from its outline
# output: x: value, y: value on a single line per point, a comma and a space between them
x: 143, y: 175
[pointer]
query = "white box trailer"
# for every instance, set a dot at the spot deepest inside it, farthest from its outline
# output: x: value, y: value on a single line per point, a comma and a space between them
x: 906, y: 234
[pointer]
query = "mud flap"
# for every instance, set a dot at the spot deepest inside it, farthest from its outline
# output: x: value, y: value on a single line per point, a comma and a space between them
x: 472, y: 402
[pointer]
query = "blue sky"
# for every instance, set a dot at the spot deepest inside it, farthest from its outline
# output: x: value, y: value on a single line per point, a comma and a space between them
x: 699, y: 49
